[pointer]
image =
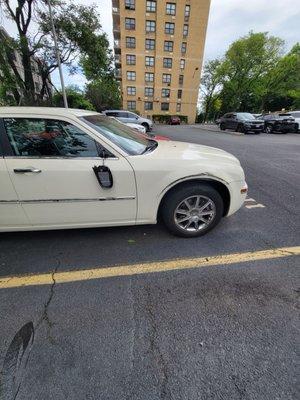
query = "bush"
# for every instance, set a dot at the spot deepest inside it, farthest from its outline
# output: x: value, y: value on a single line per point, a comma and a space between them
x: 164, y: 119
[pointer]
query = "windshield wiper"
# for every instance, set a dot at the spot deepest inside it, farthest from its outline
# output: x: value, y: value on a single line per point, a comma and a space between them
x: 151, y: 146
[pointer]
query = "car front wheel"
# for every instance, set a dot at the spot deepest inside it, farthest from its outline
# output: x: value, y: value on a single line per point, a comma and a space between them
x: 146, y: 126
x: 269, y: 129
x: 192, y: 210
x: 222, y: 126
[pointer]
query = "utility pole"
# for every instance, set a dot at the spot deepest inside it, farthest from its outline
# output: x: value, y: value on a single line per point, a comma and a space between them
x: 57, y: 56
x: 191, y: 90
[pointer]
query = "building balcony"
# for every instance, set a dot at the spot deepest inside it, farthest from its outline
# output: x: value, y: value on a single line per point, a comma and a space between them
x: 118, y: 60
x: 117, y: 46
x: 118, y: 74
x: 116, y: 4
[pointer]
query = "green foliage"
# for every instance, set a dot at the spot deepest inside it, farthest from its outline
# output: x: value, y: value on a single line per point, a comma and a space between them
x: 82, y: 46
x: 104, y: 93
x: 76, y: 99
x: 253, y: 76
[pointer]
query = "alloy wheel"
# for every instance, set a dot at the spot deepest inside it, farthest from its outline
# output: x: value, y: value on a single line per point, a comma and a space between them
x: 195, y: 213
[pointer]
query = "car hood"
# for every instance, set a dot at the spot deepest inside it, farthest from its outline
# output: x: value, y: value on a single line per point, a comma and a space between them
x: 181, y: 151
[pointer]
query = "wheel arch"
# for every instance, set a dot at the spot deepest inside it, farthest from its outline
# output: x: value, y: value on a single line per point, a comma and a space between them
x: 221, y: 188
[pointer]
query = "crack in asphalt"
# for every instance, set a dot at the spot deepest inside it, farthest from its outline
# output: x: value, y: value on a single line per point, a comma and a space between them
x: 156, y: 351
x: 45, y: 316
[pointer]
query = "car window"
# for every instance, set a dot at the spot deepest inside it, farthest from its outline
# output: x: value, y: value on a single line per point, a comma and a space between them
x: 131, y: 115
x: 120, y: 134
x: 122, y: 114
x: 49, y: 138
x: 296, y: 114
x: 111, y: 113
x: 246, y: 116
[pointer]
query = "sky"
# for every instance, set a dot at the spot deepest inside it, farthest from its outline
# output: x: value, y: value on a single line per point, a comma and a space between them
x: 228, y: 20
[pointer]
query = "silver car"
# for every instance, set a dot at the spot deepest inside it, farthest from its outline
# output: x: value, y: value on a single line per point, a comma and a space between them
x: 128, y: 116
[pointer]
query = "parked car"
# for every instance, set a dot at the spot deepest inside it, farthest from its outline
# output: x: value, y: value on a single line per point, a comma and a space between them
x: 174, y: 120
x: 279, y: 123
x: 296, y: 115
x: 241, y: 122
x: 128, y: 116
x: 137, y: 127
x: 71, y: 168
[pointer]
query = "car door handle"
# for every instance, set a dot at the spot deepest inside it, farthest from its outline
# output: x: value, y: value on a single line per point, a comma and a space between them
x: 26, y: 170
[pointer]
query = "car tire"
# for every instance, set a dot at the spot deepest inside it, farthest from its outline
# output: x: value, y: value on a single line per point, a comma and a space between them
x: 222, y: 126
x: 269, y: 129
x: 240, y: 128
x: 176, y: 203
x: 146, y: 126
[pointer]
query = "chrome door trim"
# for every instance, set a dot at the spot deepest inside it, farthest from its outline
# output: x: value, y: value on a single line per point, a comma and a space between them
x: 66, y: 200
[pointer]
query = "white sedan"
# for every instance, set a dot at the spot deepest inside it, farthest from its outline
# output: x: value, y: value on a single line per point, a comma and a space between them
x: 74, y: 168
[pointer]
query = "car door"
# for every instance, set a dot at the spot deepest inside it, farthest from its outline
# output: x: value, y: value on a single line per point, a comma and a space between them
x: 51, y: 166
x: 123, y: 116
x: 234, y: 121
x: 132, y: 118
x: 12, y: 214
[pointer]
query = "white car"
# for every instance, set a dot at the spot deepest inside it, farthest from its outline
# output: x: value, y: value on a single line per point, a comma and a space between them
x: 74, y: 168
x: 137, y: 127
x: 131, y: 117
x: 296, y: 115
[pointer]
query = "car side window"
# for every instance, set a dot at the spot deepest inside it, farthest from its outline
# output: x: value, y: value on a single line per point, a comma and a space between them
x: 122, y: 114
x: 48, y: 138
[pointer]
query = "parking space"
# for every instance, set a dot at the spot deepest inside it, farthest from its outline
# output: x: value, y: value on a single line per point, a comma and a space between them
x: 135, y: 313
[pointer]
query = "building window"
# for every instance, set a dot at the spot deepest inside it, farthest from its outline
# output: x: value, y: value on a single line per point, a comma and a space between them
x: 131, y: 90
x: 130, y: 59
x: 166, y: 78
x: 179, y: 93
x: 183, y: 47
x: 165, y: 92
x: 130, y: 42
x: 131, y: 105
x: 151, y: 6
x: 180, y: 80
x: 182, y: 63
x: 149, y: 61
x: 150, y: 44
x: 130, y: 4
x: 130, y: 23
x: 171, y: 9
x: 178, y: 107
x: 131, y: 75
x: 167, y: 63
x: 149, y: 91
x: 165, y: 106
x: 185, y: 30
x: 169, y: 28
x: 150, y: 26
x: 148, y: 105
x: 149, y: 77
x: 168, y: 45
x: 187, y: 11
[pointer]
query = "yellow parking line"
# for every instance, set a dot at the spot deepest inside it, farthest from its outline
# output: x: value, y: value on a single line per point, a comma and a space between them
x: 145, y: 268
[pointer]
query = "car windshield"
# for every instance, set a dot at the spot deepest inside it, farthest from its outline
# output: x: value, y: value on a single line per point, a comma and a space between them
x: 120, y: 134
x: 246, y: 116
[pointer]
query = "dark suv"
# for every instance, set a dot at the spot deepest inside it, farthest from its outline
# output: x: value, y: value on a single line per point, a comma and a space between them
x: 241, y: 122
x: 279, y: 123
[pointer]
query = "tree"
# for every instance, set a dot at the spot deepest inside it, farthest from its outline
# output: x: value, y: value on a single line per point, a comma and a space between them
x: 247, y: 61
x: 80, y: 39
x: 76, y: 99
x: 212, y: 78
x: 104, y: 93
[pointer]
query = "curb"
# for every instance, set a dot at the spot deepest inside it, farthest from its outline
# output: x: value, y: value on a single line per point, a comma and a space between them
x: 217, y: 131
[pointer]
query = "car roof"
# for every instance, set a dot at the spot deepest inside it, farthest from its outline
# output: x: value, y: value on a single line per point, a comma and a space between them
x: 55, y: 111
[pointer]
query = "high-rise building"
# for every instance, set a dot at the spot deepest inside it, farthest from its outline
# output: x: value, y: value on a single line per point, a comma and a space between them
x: 158, y: 54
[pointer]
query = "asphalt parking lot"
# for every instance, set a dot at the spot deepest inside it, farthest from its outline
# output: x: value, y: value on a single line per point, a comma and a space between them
x: 155, y: 328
